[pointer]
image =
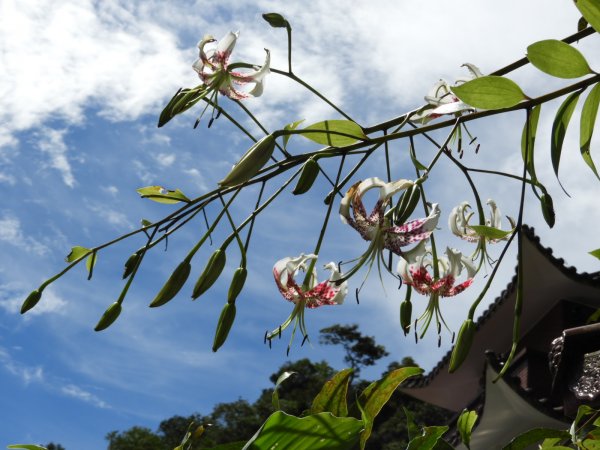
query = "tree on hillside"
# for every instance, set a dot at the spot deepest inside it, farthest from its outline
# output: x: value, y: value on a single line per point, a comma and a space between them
x: 136, y: 438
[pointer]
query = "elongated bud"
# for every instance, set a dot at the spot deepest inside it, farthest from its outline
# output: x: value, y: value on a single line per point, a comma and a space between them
x: 173, y: 284
x: 252, y: 161
x: 463, y: 345
x: 413, y: 201
x: 237, y: 283
x: 548, y: 209
x: 130, y: 264
x: 309, y: 174
x: 224, y: 325
x: 276, y: 20
x: 211, y: 272
x: 31, y: 300
x: 109, y: 316
x: 405, y: 316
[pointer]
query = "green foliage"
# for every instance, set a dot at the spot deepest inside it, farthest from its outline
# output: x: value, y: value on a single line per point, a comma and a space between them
x: 136, y: 438
x: 530, y: 437
x: 490, y: 232
x: 159, y: 194
x: 334, y: 133
x: 590, y: 9
x: 275, y: 397
x: 558, y: 59
x: 465, y: 423
x: 490, y: 92
x: 332, y: 397
x: 589, y: 113
x: 559, y: 128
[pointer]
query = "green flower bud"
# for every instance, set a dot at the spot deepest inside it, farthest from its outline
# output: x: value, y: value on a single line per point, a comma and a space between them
x: 405, y: 316
x: 130, y: 264
x: 275, y: 20
x: 237, y: 283
x: 548, y: 209
x: 309, y: 174
x: 463, y: 345
x: 109, y: 316
x: 31, y: 300
x: 252, y: 161
x: 211, y: 272
x: 173, y: 284
x: 413, y: 201
x: 224, y: 325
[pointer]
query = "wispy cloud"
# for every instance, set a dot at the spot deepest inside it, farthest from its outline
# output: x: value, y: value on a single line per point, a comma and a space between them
x: 74, y: 391
x: 52, y: 143
x: 11, y: 233
x: 111, y: 216
x: 27, y: 374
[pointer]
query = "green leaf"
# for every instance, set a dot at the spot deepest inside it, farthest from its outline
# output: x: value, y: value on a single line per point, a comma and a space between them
x: 27, y: 446
x: 593, y: 318
x: 275, y: 397
x: 183, y: 100
x: 276, y: 20
x: 161, y: 195
x: 77, y: 252
x: 490, y: 92
x: 465, y: 423
x: 558, y: 59
x: 289, y: 127
x: 595, y: 253
x: 411, y: 426
x: 376, y: 395
x: 334, y: 133
x: 321, y: 431
x: 428, y: 440
x: 534, y: 117
x: 582, y: 24
x: 589, y: 113
x: 590, y: 9
x: 332, y: 397
x: 534, y: 435
x: 559, y: 128
x: 490, y: 232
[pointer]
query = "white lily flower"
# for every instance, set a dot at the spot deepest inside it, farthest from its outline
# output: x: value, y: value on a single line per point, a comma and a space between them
x: 459, y: 218
x: 217, y: 74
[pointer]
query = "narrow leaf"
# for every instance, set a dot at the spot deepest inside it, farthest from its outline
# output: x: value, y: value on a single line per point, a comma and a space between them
x: 275, y: 397
x: 332, y: 397
x: 490, y: 232
x: 534, y: 117
x: 27, y: 446
x: 288, y: 127
x: 161, y: 195
x: 490, y: 92
x: 428, y: 440
x: 559, y: 128
x: 376, y: 395
x: 589, y: 113
x: 465, y: 423
x: 595, y: 253
x: 334, y: 133
x: 590, y: 9
x: 534, y: 435
x: 558, y: 59
x: 411, y: 426
x: 321, y: 431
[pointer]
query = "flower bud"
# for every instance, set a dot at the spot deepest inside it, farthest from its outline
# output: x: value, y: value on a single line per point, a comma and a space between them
x: 309, y: 174
x: 252, y: 161
x: 109, y: 316
x: 130, y: 264
x: 405, y: 316
x: 413, y: 200
x: 224, y: 325
x: 548, y: 209
x: 276, y: 20
x: 211, y: 272
x: 463, y: 344
x: 237, y: 283
x: 173, y: 284
x: 31, y: 300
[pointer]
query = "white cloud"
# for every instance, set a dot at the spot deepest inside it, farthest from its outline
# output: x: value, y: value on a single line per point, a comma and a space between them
x: 8, y: 179
x: 51, y: 142
x: 165, y: 159
x: 12, y: 233
x: 112, y: 190
x: 74, y: 391
x: 111, y: 216
x: 27, y: 374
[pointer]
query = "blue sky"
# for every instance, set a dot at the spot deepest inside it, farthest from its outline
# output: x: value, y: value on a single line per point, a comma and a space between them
x: 81, y: 87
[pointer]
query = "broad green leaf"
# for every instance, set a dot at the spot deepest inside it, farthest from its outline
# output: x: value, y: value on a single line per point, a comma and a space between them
x: 77, y: 252
x: 490, y: 92
x: 590, y: 444
x: 595, y: 253
x: 321, y: 431
x: 27, y: 446
x: 411, y: 426
x: 534, y: 117
x: 428, y: 440
x: 289, y: 127
x: 589, y: 113
x: 559, y: 128
x: 465, y: 423
x: 161, y: 195
x: 590, y: 9
x: 490, y: 232
x: 558, y: 59
x: 332, y: 397
x: 534, y: 435
x: 334, y: 133
x: 275, y: 396
x: 376, y: 395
